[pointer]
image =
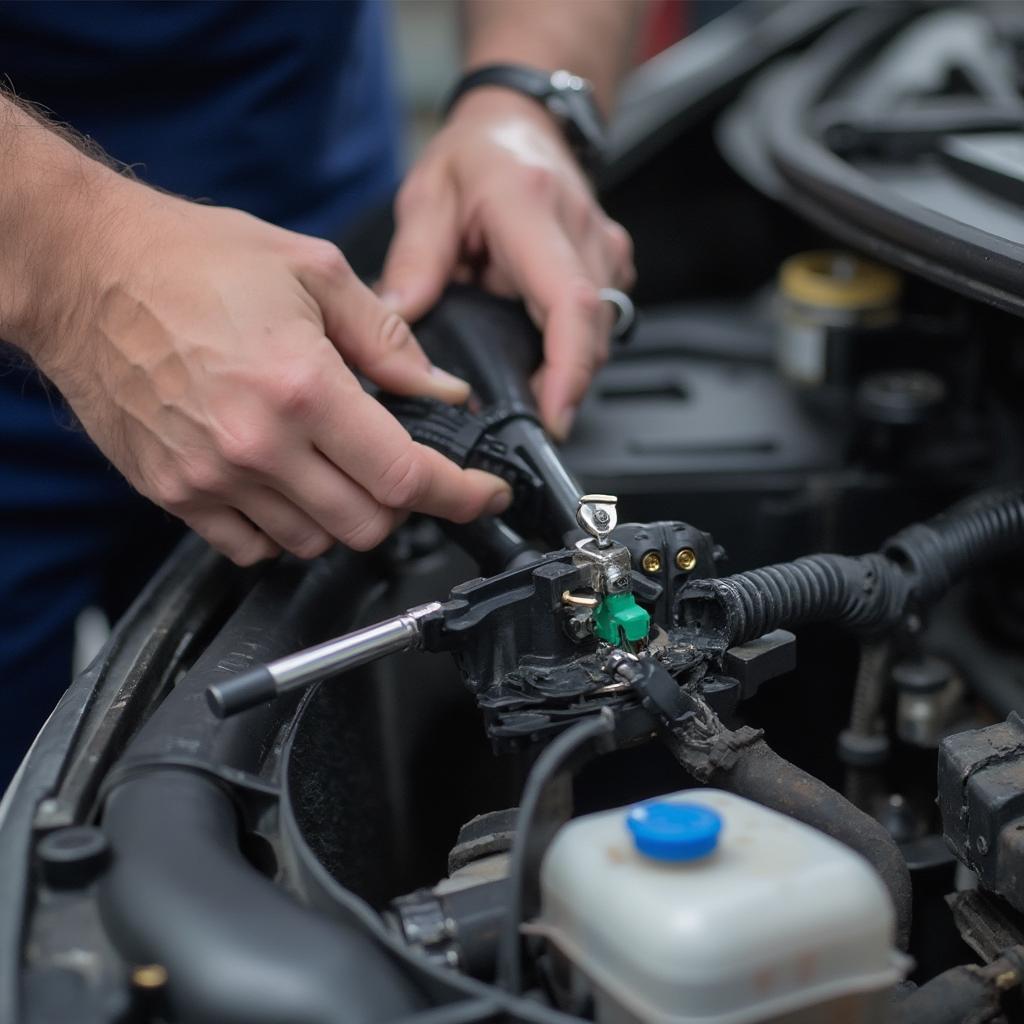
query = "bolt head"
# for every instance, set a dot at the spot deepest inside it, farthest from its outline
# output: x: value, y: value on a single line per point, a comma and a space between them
x: 651, y: 562
x: 686, y: 559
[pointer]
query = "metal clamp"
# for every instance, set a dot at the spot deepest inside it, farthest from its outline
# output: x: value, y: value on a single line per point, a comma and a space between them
x: 597, y: 516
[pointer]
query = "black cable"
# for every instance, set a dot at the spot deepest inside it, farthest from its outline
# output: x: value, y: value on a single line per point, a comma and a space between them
x: 541, y: 814
x: 869, y: 593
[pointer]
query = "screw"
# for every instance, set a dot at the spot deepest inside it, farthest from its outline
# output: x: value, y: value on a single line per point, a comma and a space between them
x: 651, y: 562
x: 150, y: 976
x: 686, y: 559
x: 580, y: 626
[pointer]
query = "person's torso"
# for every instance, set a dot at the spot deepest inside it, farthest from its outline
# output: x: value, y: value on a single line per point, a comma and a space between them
x: 282, y: 109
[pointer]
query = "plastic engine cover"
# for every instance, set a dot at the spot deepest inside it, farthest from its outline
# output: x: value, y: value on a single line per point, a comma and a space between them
x: 734, y: 914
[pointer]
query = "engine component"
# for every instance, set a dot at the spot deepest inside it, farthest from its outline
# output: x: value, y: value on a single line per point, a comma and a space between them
x: 618, y: 619
x: 967, y: 993
x: 680, y: 922
x: 870, y: 593
x: 981, y: 798
x: 828, y: 300
x: 742, y: 762
x: 928, y: 689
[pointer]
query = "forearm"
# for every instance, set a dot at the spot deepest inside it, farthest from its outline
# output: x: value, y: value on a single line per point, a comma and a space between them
x: 52, y: 193
x: 592, y: 38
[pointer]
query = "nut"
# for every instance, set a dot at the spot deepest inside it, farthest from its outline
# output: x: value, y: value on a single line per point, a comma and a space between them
x: 686, y: 559
x: 651, y: 562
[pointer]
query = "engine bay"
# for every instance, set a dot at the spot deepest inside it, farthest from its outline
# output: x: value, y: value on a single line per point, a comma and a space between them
x: 721, y: 722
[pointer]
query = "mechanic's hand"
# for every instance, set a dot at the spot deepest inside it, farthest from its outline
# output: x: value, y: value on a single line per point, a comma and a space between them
x: 205, y: 352
x: 498, y: 197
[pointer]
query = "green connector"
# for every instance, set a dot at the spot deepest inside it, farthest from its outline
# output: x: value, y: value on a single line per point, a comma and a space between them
x: 619, y: 615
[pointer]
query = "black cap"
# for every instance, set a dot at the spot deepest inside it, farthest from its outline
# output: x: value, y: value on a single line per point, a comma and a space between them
x: 72, y: 857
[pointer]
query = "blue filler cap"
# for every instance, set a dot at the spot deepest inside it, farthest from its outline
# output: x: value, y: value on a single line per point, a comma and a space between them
x: 674, y: 832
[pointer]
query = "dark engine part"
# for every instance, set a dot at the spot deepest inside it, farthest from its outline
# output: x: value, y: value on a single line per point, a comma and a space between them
x: 176, y: 837
x: 981, y: 797
x: 871, y: 593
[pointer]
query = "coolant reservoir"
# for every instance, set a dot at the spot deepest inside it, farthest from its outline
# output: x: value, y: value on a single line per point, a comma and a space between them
x: 705, y: 907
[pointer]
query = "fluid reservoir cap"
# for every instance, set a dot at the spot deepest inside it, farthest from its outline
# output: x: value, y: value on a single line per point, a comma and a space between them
x: 674, y: 832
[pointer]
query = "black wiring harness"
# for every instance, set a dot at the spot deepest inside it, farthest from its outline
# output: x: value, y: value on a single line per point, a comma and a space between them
x: 870, y: 593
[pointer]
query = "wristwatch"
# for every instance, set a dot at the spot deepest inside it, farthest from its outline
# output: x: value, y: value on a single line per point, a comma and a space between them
x: 568, y: 97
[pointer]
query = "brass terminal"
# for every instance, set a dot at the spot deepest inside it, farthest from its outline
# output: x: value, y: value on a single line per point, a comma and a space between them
x: 651, y: 562
x: 686, y: 559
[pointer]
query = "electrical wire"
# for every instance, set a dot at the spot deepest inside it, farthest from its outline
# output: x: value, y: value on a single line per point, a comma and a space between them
x: 563, y: 755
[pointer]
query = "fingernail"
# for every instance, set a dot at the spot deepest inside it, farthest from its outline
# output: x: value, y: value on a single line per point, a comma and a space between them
x: 499, y: 503
x: 392, y: 300
x: 564, y: 422
x: 449, y: 381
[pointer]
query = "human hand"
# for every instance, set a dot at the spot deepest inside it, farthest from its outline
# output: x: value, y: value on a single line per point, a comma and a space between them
x: 210, y: 356
x: 497, y: 197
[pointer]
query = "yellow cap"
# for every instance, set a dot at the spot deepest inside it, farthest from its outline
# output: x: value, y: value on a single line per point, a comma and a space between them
x: 838, y: 280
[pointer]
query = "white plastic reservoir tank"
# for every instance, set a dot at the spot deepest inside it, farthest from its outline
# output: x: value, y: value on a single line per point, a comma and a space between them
x: 705, y: 908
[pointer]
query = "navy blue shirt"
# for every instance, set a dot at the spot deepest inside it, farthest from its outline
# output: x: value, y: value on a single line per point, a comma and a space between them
x: 282, y: 109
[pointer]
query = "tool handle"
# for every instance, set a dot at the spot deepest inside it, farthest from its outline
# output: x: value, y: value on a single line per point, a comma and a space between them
x: 241, y: 692
x: 488, y: 341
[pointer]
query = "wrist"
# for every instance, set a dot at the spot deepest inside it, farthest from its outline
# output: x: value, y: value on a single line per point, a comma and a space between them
x: 491, y: 102
x: 565, y: 98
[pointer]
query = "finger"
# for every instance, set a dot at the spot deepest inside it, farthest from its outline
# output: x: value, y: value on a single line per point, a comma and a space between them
x: 558, y: 286
x: 576, y: 345
x: 335, y: 501
x: 368, y: 444
x: 424, y: 250
x: 620, y: 246
x: 233, y: 535
x: 283, y: 522
x: 372, y: 338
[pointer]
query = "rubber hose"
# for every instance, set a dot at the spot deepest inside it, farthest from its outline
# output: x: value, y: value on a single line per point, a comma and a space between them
x: 963, y: 994
x: 861, y: 593
x: 973, y: 532
x: 869, y: 593
x: 761, y: 775
x: 237, y: 948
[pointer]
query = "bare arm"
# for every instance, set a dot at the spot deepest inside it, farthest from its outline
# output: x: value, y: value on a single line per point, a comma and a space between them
x: 499, y: 198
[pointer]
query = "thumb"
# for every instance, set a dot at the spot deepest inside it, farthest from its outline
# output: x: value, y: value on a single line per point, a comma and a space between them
x: 375, y: 340
x: 422, y: 253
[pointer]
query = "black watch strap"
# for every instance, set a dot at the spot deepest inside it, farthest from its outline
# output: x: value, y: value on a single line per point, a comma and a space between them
x: 568, y: 97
